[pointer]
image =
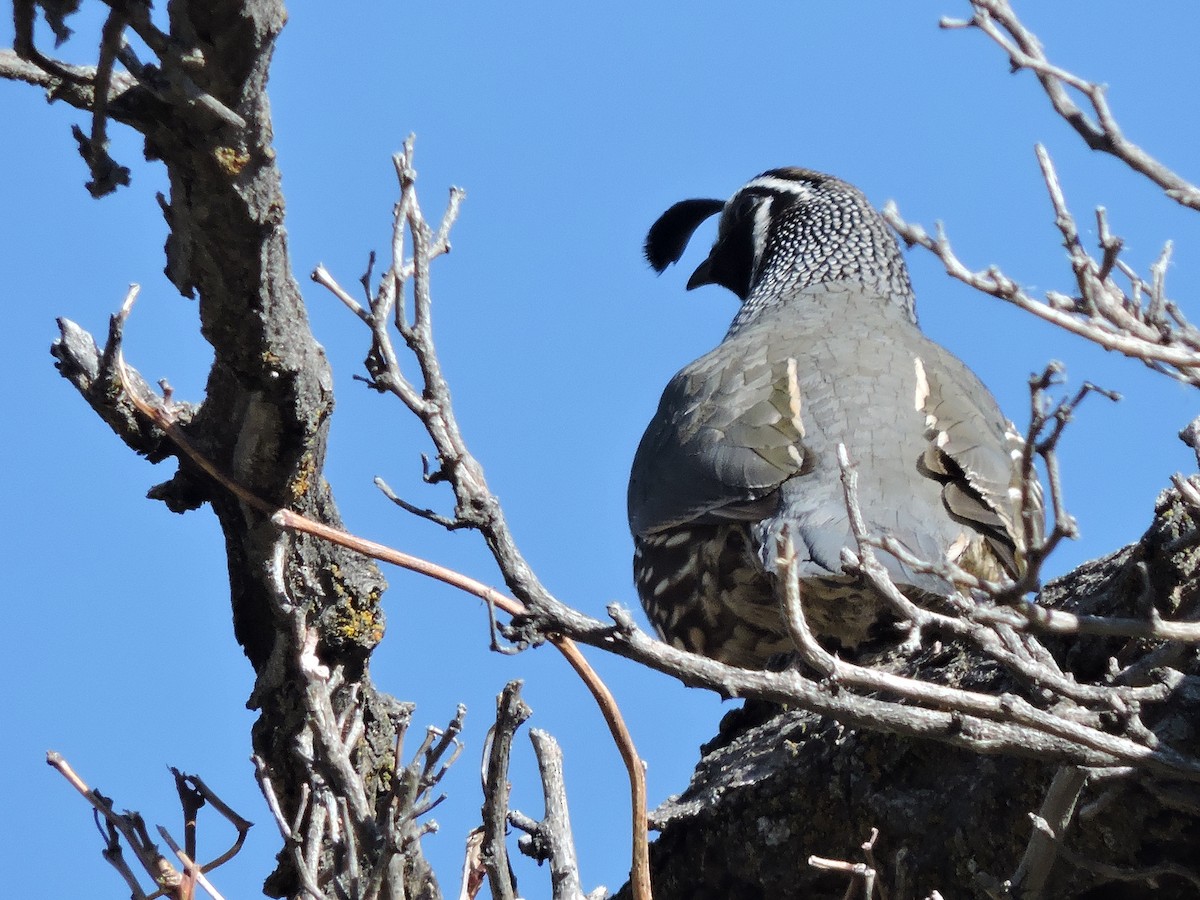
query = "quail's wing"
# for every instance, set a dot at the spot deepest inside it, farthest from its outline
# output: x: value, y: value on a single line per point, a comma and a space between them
x: 726, y: 435
x: 976, y: 454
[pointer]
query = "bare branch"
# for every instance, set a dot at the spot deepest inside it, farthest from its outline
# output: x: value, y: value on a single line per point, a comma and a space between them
x: 106, y: 174
x: 863, y: 874
x: 1100, y: 130
x: 792, y: 689
x: 1049, y: 826
x: 1116, y: 318
x: 289, y: 831
x: 1004, y: 708
x: 338, y: 815
x: 1119, y: 324
x: 1058, y: 739
x: 322, y: 277
x: 475, y: 505
x: 551, y: 839
x: 824, y: 663
x: 511, y: 712
x: 427, y: 514
x: 170, y: 881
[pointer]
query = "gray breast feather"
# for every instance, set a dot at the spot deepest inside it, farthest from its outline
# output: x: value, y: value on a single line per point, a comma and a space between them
x: 749, y: 432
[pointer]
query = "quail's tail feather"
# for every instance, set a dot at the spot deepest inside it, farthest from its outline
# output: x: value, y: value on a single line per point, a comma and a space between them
x: 704, y: 592
x: 707, y: 589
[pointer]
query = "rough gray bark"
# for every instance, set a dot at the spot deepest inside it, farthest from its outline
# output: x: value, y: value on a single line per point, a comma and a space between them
x: 264, y: 418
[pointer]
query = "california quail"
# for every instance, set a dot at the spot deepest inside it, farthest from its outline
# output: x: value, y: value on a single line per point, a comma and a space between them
x: 825, y: 349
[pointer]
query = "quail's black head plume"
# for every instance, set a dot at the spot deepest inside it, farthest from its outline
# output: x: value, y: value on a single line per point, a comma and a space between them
x: 669, y: 236
x: 824, y: 350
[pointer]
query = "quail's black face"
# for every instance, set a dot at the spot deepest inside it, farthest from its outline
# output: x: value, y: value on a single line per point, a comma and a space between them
x: 749, y: 220
x: 741, y: 235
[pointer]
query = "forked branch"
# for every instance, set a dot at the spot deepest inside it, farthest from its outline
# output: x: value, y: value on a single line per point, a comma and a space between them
x: 1099, y: 129
x: 174, y: 882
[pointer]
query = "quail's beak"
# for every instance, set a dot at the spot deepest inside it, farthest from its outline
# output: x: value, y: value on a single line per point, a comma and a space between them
x: 702, y: 275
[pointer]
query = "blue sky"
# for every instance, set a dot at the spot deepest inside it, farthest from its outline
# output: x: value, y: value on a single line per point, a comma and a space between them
x: 571, y: 126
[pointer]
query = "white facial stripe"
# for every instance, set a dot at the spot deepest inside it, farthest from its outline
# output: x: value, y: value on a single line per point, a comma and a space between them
x: 762, y: 220
x: 784, y: 185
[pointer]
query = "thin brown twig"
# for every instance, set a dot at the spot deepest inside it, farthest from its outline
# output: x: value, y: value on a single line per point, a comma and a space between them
x: 191, y: 870
x: 155, y: 864
x: 161, y: 416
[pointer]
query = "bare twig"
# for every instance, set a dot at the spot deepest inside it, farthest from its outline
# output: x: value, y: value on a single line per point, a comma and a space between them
x: 24, y: 16
x: 428, y: 514
x: 780, y: 687
x: 289, y: 831
x: 1101, y: 310
x: 475, y: 505
x: 1049, y: 826
x: 862, y: 874
x: 990, y: 724
x: 824, y: 663
x: 95, y: 88
x: 336, y: 807
x: 106, y: 174
x: 1003, y: 708
x: 1100, y: 130
x: 1113, y: 325
x: 511, y: 712
x: 551, y: 839
x: 170, y: 881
